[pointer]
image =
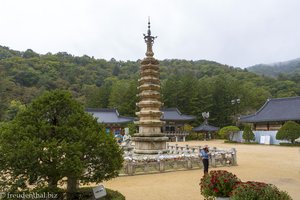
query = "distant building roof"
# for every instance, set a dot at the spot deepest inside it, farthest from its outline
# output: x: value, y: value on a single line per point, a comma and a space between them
x: 109, y: 116
x: 205, y: 128
x: 173, y: 114
x: 280, y: 109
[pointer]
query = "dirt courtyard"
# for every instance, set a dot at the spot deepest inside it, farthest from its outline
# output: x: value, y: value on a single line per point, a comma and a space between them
x: 271, y: 164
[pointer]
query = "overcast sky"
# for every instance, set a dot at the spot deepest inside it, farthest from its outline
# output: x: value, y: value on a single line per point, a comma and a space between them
x: 239, y: 33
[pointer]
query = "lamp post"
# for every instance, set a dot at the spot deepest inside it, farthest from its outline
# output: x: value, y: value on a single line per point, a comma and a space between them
x: 235, y: 103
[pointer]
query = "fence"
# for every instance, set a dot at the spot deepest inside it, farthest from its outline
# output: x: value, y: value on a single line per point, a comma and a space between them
x: 178, y: 158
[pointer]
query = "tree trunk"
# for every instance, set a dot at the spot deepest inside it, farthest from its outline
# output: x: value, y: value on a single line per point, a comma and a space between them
x: 231, y: 136
x: 72, y: 186
x: 52, y: 182
x: 292, y: 141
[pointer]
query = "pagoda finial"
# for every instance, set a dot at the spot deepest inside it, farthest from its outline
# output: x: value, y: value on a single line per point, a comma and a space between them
x: 149, y: 40
x: 149, y: 31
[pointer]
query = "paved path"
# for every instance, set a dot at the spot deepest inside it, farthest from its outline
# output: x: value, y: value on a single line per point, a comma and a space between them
x: 270, y: 164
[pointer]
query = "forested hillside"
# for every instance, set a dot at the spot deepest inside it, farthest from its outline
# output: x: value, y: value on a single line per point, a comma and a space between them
x: 277, y: 69
x: 192, y: 86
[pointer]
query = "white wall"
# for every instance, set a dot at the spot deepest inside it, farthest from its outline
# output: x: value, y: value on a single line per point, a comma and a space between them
x: 239, y: 136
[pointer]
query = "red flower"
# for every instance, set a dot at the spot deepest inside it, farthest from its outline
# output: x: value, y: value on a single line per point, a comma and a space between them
x: 216, y: 190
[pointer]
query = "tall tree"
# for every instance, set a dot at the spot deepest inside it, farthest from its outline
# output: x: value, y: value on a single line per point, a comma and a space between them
x: 54, y: 138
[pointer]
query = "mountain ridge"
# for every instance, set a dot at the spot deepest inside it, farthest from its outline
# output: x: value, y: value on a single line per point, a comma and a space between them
x: 275, y: 69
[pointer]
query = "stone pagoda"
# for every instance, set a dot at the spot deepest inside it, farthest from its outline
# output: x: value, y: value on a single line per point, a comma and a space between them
x: 150, y: 139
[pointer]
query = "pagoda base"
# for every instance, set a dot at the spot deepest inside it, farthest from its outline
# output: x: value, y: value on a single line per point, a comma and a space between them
x: 150, y: 144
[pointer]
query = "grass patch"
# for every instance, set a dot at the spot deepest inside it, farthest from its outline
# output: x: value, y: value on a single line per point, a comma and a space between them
x: 289, y: 144
x: 229, y: 141
x: 235, y: 142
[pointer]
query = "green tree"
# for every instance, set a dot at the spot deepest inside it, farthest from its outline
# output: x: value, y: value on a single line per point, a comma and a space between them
x: 132, y: 128
x: 13, y: 109
x: 289, y: 131
x: 222, y: 94
x: 248, y: 134
x: 29, y: 53
x: 54, y: 138
x: 123, y: 96
x: 228, y: 132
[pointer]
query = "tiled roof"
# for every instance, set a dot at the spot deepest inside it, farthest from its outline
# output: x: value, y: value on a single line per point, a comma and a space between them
x: 280, y: 109
x: 173, y: 114
x: 109, y: 116
x: 206, y: 128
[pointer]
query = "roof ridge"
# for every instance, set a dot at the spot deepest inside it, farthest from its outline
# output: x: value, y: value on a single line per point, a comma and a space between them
x: 265, y: 104
x: 102, y: 109
x: 284, y: 98
x: 170, y: 109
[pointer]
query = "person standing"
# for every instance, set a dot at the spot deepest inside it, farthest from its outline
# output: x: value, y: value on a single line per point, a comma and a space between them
x: 204, y: 153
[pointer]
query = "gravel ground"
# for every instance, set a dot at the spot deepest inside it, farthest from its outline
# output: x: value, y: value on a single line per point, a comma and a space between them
x: 271, y: 164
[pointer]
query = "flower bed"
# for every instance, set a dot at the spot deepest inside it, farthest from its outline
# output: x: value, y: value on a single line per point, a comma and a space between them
x: 257, y: 190
x: 221, y: 183
x: 218, y: 183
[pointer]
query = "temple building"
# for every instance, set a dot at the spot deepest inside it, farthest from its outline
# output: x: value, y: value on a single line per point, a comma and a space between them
x: 274, y: 113
x: 113, y: 122
x: 172, y: 128
x: 271, y: 116
x: 174, y: 123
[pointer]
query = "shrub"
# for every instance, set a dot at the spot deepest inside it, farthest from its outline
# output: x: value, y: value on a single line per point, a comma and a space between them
x: 272, y: 192
x: 248, y: 190
x: 228, y: 132
x: 289, y: 131
x: 248, y: 134
x: 195, y: 136
x: 218, y: 183
x: 257, y: 190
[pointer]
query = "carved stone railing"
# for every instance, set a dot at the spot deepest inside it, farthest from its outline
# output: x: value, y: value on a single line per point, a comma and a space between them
x: 176, y: 133
x: 178, y: 158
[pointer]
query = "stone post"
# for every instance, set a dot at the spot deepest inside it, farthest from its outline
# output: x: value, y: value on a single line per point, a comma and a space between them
x: 161, y: 166
x: 189, y: 163
x: 187, y: 147
x: 176, y: 148
x: 130, y: 168
x: 213, y: 160
x: 234, y: 157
